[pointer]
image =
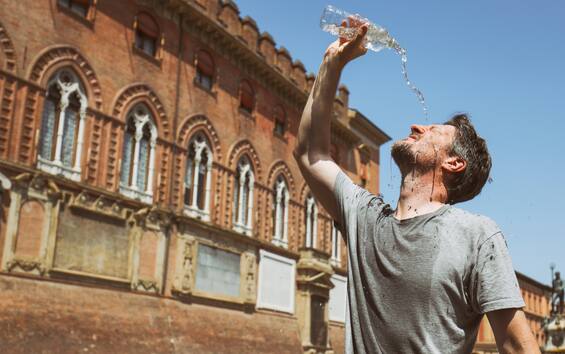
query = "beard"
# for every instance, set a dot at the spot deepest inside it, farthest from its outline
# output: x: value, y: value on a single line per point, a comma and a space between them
x: 414, y: 157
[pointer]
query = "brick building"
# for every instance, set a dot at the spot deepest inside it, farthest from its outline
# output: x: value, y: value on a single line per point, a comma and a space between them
x: 150, y: 201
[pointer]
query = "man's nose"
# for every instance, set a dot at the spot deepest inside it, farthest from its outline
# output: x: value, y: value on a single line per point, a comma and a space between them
x: 418, y: 129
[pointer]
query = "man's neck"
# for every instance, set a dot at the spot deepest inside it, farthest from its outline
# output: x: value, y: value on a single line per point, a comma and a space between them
x: 420, y: 194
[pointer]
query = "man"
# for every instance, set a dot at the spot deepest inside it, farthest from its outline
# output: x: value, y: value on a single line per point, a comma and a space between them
x: 420, y: 276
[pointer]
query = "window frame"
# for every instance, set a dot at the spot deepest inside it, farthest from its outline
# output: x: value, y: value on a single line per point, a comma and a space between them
x: 281, y: 186
x: 141, y: 120
x: 68, y: 84
x: 198, y: 72
x: 204, y: 146
x: 244, y: 226
x: 140, y: 33
x: 243, y: 107
x: 311, y: 223
x: 89, y: 15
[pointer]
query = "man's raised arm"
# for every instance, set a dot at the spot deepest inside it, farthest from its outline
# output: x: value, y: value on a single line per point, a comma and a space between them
x: 312, y: 152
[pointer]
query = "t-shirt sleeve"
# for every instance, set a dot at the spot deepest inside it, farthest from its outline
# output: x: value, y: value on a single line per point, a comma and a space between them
x: 496, y: 285
x: 350, y: 199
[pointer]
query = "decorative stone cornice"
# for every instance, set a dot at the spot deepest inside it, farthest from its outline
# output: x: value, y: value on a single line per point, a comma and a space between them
x: 99, y: 205
x: 38, y: 182
x: 26, y: 266
x: 153, y: 218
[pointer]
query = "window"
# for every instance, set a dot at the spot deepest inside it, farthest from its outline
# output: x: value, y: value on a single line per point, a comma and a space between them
x: 246, y: 97
x: 276, y: 282
x: 146, y: 34
x: 79, y: 7
x: 280, y: 121
x: 204, y: 70
x: 311, y: 222
x: 218, y: 271
x: 280, y: 213
x: 197, y: 181
x: 138, y: 155
x: 62, y: 126
x: 336, y: 246
x: 243, y: 197
x: 338, y: 298
x: 318, y: 328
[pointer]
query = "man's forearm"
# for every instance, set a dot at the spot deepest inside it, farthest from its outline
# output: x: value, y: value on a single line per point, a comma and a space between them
x: 314, y: 130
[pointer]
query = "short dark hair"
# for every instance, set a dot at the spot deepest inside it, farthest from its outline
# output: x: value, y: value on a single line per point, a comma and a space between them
x: 469, y: 146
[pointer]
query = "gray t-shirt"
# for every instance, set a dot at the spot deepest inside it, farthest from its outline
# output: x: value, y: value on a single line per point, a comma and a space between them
x: 420, y: 285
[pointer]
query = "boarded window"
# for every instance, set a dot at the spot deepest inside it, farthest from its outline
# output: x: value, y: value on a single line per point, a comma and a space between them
x: 91, y: 243
x: 338, y: 298
x: 276, y: 282
x: 218, y: 271
x: 247, y: 97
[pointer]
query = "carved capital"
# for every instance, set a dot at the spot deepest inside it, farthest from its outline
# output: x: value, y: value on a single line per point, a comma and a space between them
x: 26, y: 266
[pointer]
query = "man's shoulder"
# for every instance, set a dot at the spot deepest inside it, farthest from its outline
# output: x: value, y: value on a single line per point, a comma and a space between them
x: 479, y: 226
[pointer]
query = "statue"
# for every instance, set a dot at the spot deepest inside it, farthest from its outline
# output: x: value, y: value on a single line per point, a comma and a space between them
x: 558, y: 292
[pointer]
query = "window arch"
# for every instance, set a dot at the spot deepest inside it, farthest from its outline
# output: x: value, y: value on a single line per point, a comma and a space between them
x: 243, y: 196
x: 138, y: 157
x: 280, y: 121
x: 197, y: 181
x: 147, y: 34
x: 280, y: 212
x: 311, y: 218
x: 246, y: 97
x: 62, y: 125
x: 205, y: 70
x: 336, y: 246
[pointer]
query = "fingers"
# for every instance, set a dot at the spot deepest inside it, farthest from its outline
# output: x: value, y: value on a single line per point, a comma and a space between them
x: 341, y: 38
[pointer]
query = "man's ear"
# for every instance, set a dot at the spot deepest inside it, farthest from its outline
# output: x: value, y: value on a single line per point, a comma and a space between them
x: 454, y: 164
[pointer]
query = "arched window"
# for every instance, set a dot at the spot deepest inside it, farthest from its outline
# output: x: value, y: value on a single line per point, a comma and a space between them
x: 336, y: 246
x: 280, y: 213
x: 280, y: 121
x: 138, y: 157
x: 246, y: 97
x: 62, y: 126
x: 311, y: 218
x: 197, y: 181
x: 204, y: 70
x: 146, y: 34
x: 243, y: 197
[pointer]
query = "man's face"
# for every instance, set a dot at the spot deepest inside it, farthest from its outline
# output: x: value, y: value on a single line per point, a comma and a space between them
x: 425, y: 147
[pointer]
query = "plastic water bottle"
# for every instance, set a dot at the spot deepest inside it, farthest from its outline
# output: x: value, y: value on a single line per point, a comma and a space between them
x: 376, y: 38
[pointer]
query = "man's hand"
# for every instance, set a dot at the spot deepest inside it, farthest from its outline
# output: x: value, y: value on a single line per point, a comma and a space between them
x: 345, y: 50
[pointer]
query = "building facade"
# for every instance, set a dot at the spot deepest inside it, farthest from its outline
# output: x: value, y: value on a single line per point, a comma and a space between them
x: 150, y: 199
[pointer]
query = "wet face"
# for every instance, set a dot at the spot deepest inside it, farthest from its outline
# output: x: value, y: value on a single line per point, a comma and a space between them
x: 425, y: 148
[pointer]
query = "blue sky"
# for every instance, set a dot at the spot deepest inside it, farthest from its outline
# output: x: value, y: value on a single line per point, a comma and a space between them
x: 501, y: 61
